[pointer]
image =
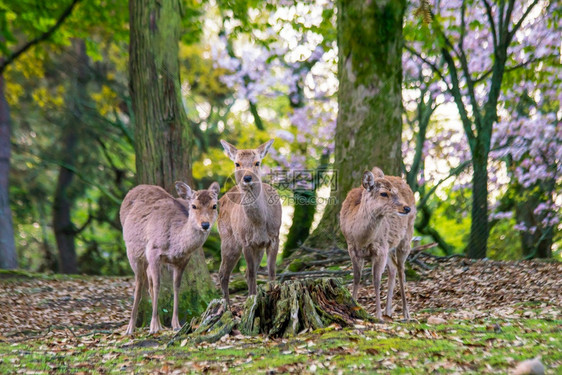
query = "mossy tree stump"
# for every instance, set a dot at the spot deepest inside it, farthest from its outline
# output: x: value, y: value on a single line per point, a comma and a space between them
x: 281, y: 310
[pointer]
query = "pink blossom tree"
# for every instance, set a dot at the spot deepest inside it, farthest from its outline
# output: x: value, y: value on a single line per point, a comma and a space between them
x: 480, y: 44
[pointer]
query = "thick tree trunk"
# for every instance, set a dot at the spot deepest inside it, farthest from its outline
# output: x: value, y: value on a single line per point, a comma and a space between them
x: 369, y: 124
x: 162, y: 134
x: 479, y: 229
x: 8, y: 256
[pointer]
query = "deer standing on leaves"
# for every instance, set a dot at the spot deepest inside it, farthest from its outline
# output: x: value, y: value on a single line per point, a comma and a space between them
x: 377, y: 221
x: 249, y: 218
x: 160, y: 229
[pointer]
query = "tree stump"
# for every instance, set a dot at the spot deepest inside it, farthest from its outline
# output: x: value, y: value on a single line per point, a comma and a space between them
x: 281, y: 310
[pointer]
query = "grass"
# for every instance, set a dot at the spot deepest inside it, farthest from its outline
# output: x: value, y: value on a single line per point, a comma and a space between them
x: 483, y: 346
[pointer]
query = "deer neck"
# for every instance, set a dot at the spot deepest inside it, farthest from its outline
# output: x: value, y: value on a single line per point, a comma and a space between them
x: 186, y: 234
x: 372, y: 219
x: 254, y: 203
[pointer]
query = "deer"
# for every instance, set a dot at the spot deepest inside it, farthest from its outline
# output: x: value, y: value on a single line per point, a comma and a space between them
x: 160, y: 229
x: 249, y: 218
x: 377, y: 221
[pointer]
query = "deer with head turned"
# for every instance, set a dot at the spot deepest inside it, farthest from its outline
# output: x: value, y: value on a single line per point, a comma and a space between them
x: 377, y: 221
x: 249, y: 218
x: 160, y: 229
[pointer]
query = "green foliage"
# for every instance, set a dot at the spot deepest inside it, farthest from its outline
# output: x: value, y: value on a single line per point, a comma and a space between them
x: 450, y: 216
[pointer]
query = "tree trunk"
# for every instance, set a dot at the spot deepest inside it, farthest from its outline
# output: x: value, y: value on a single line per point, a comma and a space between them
x: 76, y: 100
x: 369, y: 123
x: 303, y: 216
x: 162, y: 134
x: 537, y: 244
x: 479, y: 229
x: 62, y: 209
x: 8, y: 256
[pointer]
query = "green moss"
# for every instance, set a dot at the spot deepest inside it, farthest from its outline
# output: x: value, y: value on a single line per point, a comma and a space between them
x: 296, y: 265
x: 413, y: 348
x: 371, y: 34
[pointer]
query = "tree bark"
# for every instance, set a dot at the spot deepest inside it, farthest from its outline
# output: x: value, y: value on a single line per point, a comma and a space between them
x: 479, y: 231
x: 162, y: 135
x: 303, y: 216
x: 369, y: 123
x: 8, y: 256
x: 62, y: 211
x: 65, y: 230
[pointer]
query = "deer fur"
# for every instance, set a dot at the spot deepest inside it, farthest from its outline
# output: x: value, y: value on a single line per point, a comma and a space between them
x: 377, y: 221
x: 249, y: 218
x: 160, y: 229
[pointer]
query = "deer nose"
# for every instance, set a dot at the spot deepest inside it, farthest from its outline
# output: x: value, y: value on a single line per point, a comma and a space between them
x: 247, y: 178
x: 407, y: 209
x: 205, y: 225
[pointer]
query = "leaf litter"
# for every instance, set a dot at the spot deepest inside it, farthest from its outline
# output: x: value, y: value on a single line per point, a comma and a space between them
x: 472, y: 317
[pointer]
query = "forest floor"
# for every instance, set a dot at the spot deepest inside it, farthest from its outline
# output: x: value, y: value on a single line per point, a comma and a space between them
x: 472, y: 317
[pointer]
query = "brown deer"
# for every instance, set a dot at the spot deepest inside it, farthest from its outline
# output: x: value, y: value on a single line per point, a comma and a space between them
x: 160, y: 229
x: 249, y: 218
x: 377, y: 221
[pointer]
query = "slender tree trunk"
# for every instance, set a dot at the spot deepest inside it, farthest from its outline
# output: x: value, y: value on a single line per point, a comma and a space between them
x: 8, y: 256
x: 162, y: 135
x: 303, y: 216
x: 369, y: 124
x: 537, y: 244
x: 65, y: 231
x: 479, y: 229
x: 62, y: 209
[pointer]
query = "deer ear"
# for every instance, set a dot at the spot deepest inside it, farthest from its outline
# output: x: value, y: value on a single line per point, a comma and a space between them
x: 229, y: 150
x: 368, y: 181
x: 263, y: 149
x: 377, y: 172
x: 184, y: 191
x: 215, y: 188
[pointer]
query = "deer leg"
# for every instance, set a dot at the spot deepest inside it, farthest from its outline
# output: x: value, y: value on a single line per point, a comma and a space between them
x: 229, y: 258
x: 402, y: 280
x: 154, y: 272
x: 140, y: 279
x: 272, y: 250
x: 379, y: 263
x: 391, y: 282
x: 252, y: 263
x: 177, y: 274
x: 357, y: 269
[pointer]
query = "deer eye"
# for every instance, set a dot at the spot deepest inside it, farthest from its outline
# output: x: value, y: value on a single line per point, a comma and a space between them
x: 193, y: 206
x: 214, y: 207
x: 237, y: 164
x: 384, y: 194
x: 257, y: 163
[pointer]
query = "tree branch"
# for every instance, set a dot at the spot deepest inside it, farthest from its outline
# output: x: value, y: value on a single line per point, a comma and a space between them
x: 466, y: 71
x: 431, y: 65
x: 511, y: 33
x: 518, y: 66
x: 456, y: 92
x: 46, y: 35
x: 491, y: 21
